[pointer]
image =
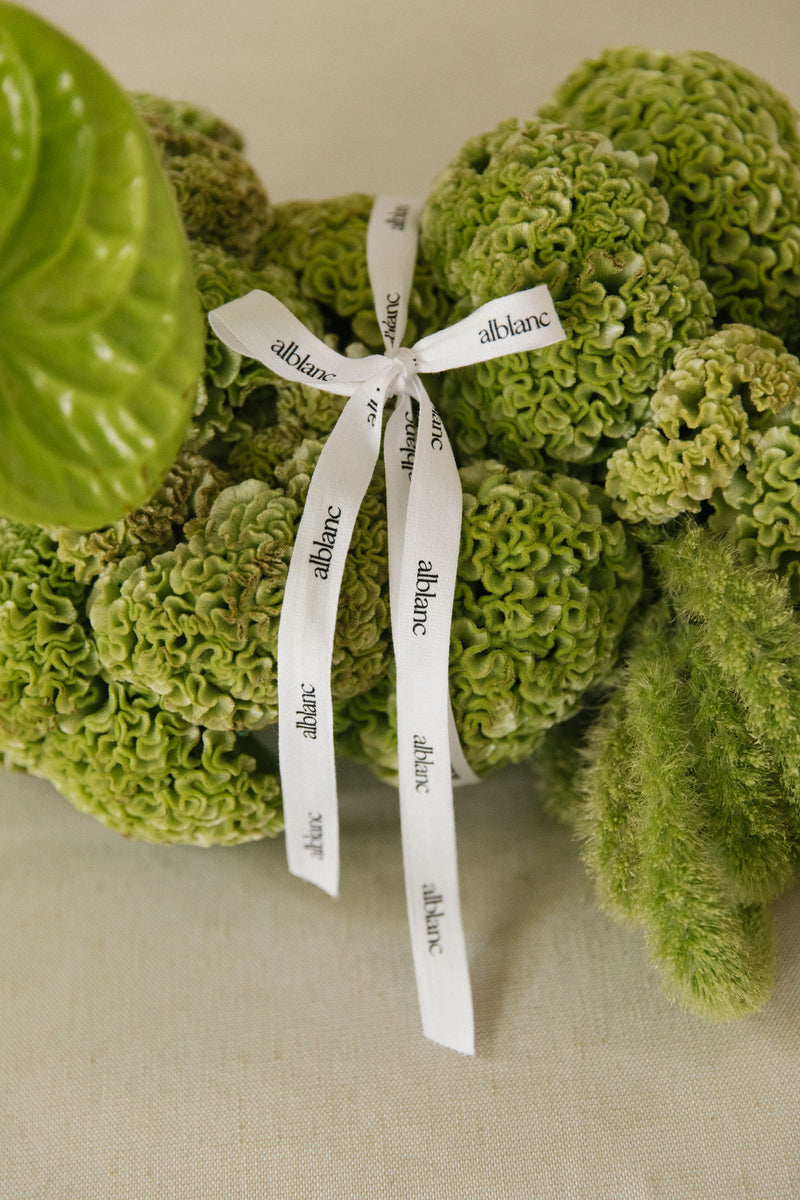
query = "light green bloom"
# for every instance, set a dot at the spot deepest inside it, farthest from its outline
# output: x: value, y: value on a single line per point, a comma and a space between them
x: 149, y: 774
x: 177, y: 116
x: 324, y: 242
x: 541, y: 203
x: 727, y: 158
x: 220, y: 197
x: 723, y: 441
x: 546, y: 585
x: 188, y: 491
x: 241, y: 395
x: 197, y: 625
x: 48, y: 661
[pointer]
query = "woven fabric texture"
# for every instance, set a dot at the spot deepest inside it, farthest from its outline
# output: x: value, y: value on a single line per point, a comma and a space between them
x: 182, y: 1023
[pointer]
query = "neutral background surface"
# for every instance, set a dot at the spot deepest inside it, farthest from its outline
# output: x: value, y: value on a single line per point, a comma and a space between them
x: 178, y: 1024
x: 369, y: 95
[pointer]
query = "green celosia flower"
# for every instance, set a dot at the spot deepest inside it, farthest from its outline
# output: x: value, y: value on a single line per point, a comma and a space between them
x: 727, y: 159
x: 721, y: 391
x: 546, y: 584
x: 48, y: 661
x: 188, y: 491
x: 242, y: 396
x: 723, y: 440
x: 239, y: 396
x: 541, y: 203
x: 197, y: 625
x: 301, y: 414
x: 325, y: 243
x: 760, y: 507
x: 181, y: 115
x: 220, y: 197
x: 113, y: 751
x: 149, y: 774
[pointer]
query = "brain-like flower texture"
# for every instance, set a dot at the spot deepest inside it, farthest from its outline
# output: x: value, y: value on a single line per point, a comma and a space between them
x: 324, y: 242
x: 722, y: 441
x: 197, y: 625
x: 220, y: 197
x: 541, y: 203
x: 727, y: 158
x: 241, y: 396
x: 547, y: 581
x: 48, y: 661
x: 113, y: 750
x: 149, y: 774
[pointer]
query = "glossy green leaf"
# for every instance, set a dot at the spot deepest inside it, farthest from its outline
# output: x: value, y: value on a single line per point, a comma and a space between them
x: 101, y: 334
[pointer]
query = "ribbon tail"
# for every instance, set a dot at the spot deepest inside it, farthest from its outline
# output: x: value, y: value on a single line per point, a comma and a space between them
x: 306, y: 633
x: 421, y: 615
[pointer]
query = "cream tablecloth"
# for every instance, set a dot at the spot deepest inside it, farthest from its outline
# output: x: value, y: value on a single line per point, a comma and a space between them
x: 181, y: 1024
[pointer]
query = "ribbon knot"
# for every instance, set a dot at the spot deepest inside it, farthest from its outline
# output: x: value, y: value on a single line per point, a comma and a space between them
x: 423, y: 498
x: 407, y: 360
x: 396, y: 372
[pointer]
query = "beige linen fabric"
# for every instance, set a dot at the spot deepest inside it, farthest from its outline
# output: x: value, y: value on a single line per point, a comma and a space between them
x: 184, y: 1024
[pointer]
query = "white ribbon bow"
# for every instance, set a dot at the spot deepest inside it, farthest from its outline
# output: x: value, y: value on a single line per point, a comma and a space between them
x: 424, y: 521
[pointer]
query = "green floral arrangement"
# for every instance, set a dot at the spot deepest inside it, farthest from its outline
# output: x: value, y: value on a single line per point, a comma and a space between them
x: 624, y: 616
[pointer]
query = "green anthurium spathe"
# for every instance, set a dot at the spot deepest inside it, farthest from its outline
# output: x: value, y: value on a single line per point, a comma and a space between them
x: 101, y: 333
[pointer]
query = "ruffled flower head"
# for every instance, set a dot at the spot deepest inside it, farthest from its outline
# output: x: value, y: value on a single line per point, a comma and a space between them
x: 727, y: 158
x: 540, y: 203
